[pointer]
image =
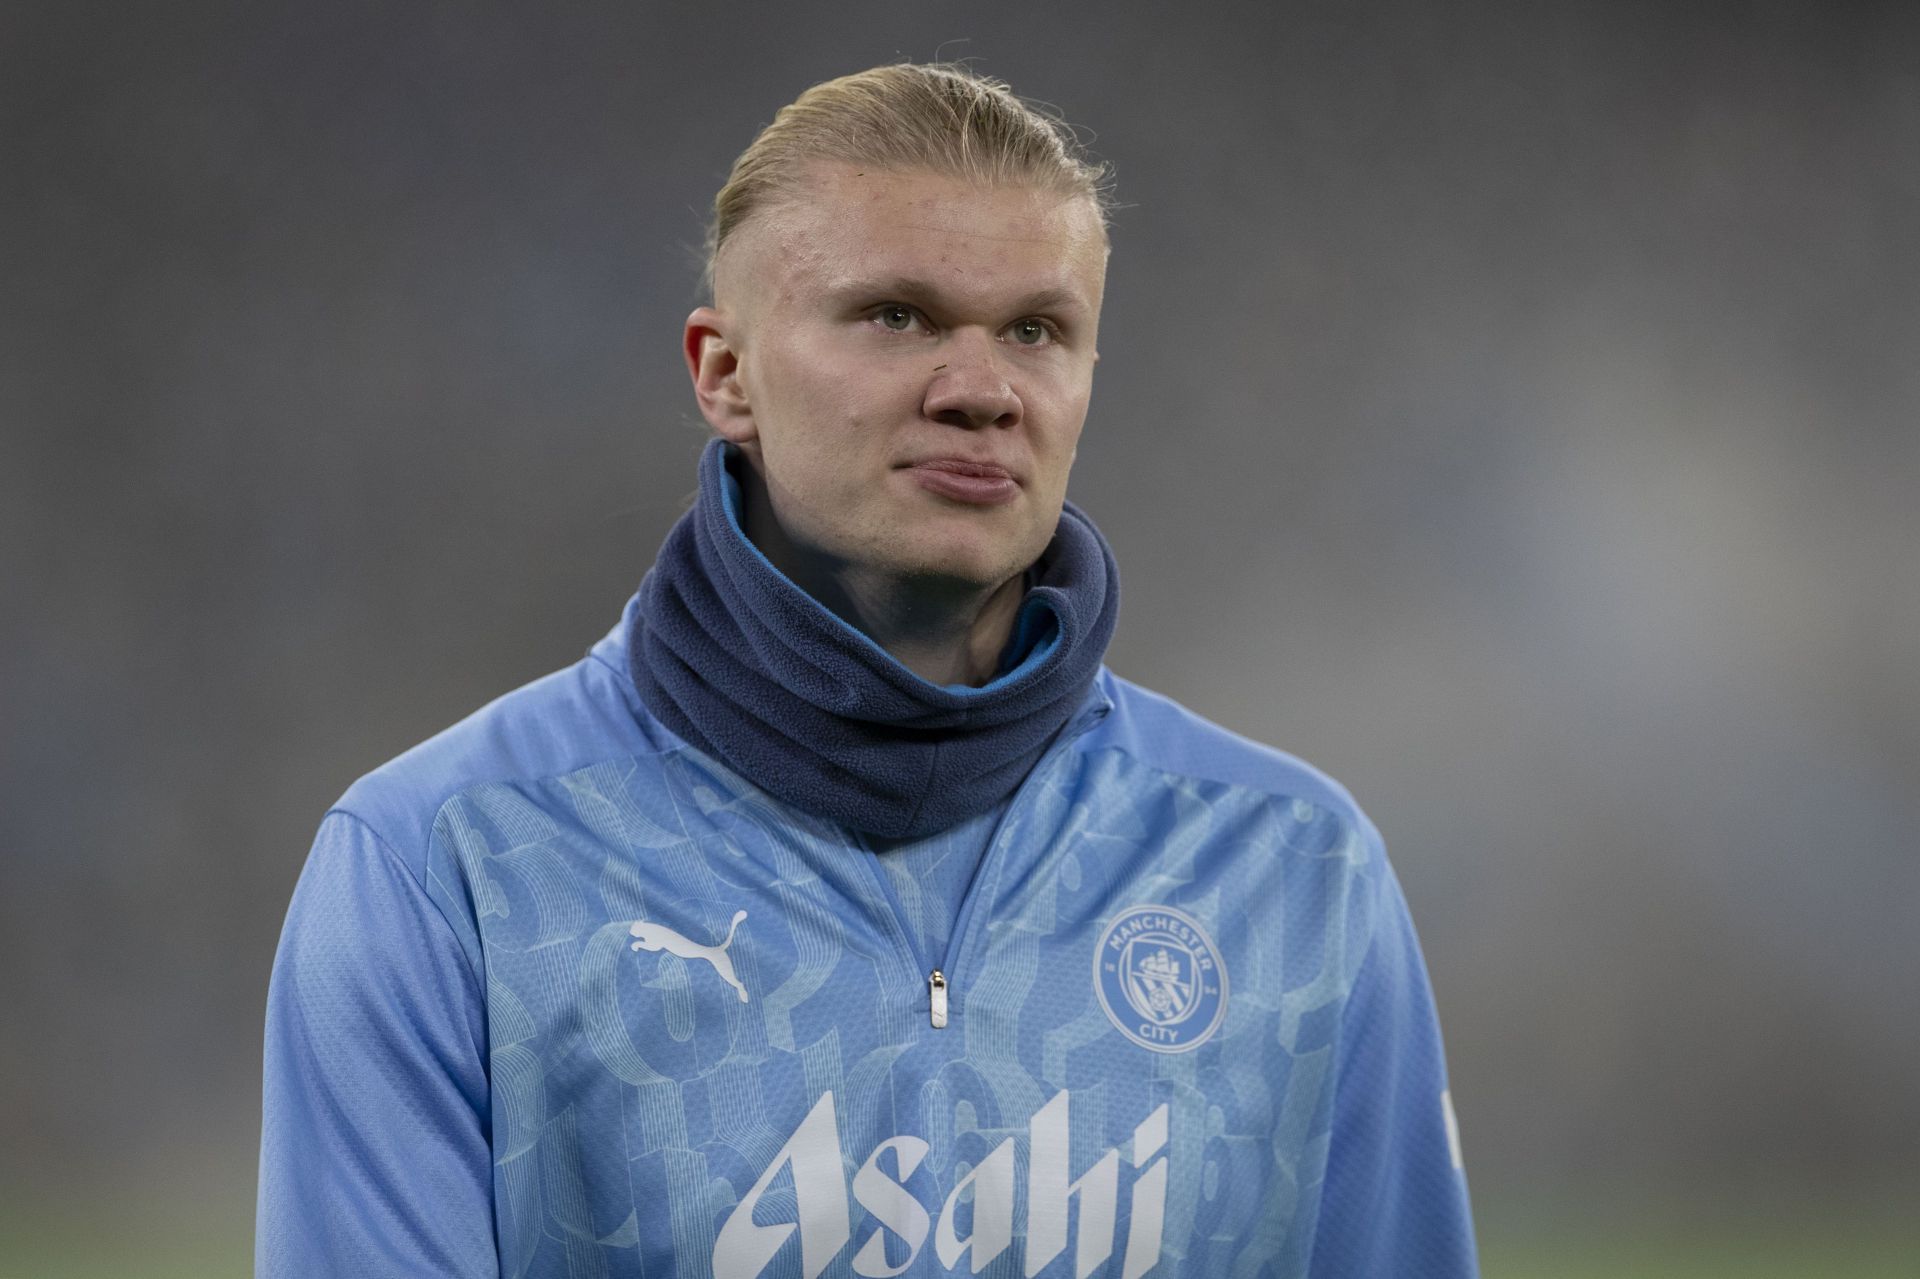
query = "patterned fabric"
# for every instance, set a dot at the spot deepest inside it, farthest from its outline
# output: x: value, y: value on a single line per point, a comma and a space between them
x: 561, y: 995
x: 929, y: 877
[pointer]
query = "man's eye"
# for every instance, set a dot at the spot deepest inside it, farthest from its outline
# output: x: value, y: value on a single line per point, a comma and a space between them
x: 1030, y: 332
x: 897, y: 318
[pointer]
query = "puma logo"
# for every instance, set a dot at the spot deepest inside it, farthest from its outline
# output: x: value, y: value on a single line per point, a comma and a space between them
x: 659, y: 937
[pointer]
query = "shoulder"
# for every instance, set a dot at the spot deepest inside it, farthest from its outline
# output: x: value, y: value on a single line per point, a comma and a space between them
x: 1160, y: 733
x: 580, y: 715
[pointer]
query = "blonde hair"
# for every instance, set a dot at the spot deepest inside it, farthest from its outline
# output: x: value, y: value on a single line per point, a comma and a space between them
x: 936, y: 116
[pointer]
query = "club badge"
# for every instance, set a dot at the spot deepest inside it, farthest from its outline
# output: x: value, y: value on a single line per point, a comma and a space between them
x: 1160, y: 978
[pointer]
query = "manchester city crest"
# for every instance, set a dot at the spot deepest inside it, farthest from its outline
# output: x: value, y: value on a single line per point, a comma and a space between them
x: 1160, y: 979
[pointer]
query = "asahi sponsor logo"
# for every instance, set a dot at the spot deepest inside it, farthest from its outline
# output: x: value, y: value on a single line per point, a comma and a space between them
x: 824, y: 1217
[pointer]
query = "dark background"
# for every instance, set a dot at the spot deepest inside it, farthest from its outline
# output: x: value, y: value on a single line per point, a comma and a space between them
x: 1513, y: 408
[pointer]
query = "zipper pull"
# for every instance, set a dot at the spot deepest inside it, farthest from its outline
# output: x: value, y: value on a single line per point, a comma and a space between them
x: 937, y: 989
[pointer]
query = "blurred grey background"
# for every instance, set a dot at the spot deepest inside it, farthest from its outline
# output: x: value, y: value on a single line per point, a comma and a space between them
x: 1513, y: 408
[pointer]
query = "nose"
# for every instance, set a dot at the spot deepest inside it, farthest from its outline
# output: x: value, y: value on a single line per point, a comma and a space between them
x: 968, y: 389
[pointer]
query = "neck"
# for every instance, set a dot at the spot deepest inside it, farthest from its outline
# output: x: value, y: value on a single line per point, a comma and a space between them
x: 738, y: 661
x: 943, y: 629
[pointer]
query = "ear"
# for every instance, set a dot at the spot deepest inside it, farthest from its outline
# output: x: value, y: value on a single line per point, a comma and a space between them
x: 713, y: 361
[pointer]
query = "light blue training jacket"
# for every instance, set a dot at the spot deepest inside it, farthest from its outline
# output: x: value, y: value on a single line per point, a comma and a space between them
x: 559, y: 995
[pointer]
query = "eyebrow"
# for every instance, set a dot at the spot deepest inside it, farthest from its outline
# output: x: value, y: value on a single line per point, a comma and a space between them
x: 912, y: 289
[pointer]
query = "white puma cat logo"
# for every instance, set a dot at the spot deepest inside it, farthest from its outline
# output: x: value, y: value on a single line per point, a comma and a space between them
x: 659, y: 937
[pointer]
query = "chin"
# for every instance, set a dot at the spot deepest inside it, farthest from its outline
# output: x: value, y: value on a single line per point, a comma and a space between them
x: 976, y: 546
x: 976, y: 565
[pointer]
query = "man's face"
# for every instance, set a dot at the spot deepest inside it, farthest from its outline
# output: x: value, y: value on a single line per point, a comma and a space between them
x: 906, y: 359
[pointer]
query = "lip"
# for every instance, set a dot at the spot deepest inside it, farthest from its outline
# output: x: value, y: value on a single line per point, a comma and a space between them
x: 964, y: 480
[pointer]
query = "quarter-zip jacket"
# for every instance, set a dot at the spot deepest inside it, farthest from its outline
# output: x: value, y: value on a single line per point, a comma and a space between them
x: 560, y: 995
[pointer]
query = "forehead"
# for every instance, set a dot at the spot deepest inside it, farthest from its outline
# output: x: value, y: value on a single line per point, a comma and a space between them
x: 843, y: 224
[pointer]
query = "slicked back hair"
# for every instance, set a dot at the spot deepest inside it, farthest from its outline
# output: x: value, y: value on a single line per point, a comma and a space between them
x: 938, y: 117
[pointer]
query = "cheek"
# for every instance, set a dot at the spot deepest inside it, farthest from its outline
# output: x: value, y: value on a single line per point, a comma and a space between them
x: 824, y: 393
x: 816, y: 435
x: 1064, y: 412
x: 856, y: 415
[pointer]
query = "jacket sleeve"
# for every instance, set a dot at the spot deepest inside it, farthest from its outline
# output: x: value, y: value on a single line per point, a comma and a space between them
x: 1394, y: 1201
x: 374, y: 1144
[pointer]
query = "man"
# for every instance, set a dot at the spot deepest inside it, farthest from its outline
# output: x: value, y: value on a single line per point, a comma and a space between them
x: 840, y: 911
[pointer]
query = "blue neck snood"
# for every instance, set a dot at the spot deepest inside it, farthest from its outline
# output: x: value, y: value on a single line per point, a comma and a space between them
x: 734, y: 658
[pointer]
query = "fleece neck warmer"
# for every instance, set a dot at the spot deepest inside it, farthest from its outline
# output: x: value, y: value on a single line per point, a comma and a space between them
x: 741, y: 663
